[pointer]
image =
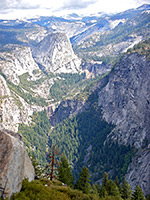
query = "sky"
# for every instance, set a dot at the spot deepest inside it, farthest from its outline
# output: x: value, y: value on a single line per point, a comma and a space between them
x: 13, y: 9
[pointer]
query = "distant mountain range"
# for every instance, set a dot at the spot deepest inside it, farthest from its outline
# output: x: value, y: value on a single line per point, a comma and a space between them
x: 94, y: 38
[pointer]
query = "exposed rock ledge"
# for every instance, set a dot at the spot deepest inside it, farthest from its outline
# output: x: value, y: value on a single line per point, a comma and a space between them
x: 15, y: 164
x: 139, y: 171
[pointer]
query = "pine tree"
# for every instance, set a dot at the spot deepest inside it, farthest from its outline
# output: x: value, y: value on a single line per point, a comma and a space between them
x: 112, y: 189
x: 126, y: 192
x: 103, y: 192
x: 117, y: 182
x: 64, y: 171
x: 105, y: 179
x: 138, y: 194
x: 83, y: 181
x: 94, y: 189
x: 52, y: 166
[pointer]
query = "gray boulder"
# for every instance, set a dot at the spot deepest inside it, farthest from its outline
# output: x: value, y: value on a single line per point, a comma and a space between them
x: 15, y: 164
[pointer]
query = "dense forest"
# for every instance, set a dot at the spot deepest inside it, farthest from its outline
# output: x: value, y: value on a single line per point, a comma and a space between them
x: 82, y: 138
x: 35, y: 136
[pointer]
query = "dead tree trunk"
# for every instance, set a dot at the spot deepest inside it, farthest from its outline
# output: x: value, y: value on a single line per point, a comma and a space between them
x: 51, y: 168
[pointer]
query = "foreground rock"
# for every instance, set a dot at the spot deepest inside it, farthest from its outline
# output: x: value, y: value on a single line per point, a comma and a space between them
x: 15, y: 164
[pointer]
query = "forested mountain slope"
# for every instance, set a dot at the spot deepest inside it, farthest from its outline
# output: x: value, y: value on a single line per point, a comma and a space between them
x: 112, y: 127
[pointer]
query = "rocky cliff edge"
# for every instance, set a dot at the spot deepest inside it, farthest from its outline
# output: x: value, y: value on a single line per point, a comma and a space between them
x: 15, y: 164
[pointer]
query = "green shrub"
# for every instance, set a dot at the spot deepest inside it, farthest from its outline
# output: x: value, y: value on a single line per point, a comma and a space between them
x: 48, y: 190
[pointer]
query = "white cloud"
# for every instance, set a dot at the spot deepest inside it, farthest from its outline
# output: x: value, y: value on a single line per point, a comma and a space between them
x: 142, y: 2
x: 113, y: 6
x: 78, y: 4
x: 23, y: 8
x: 18, y: 4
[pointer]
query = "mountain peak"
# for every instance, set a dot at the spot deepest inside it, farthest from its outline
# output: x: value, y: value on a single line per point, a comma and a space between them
x: 144, y: 6
x: 54, y: 53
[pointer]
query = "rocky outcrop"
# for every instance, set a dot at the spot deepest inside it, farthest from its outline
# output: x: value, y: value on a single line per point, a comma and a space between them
x: 125, y: 100
x: 15, y: 163
x: 14, y: 109
x: 139, y: 171
x: 64, y: 110
x: 54, y: 54
x: 94, y: 69
x: 16, y: 60
x: 9, y: 110
x: 20, y: 77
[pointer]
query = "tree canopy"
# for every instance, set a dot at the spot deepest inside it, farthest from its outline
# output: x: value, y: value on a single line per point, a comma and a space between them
x: 138, y: 194
x: 64, y: 171
x: 83, y: 181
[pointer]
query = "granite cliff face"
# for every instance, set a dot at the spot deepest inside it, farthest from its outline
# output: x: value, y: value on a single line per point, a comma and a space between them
x: 138, y: 171
x: 54, y: 54
x: 14, y: 108
x: 64, y: 110
x: 15, y: 163
x: 19, y: 75
x: 10, y: 111
x: 16, y: 60
x: 22, y: 81
x: 125, y: 100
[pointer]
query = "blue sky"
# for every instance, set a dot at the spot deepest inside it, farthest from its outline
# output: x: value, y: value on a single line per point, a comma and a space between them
x: 12, y: 9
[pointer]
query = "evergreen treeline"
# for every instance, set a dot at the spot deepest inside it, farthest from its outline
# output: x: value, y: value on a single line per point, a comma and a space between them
x: 35, y: 136
x: 44, y: 189
x: 108, y: 189
x: 82, y: 138
x: 142, y: 48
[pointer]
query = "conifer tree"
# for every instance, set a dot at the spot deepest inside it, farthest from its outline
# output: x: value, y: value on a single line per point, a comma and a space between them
x: 105, y: 179
x: 64, y: 171
x: 117, y: 182
x: 103, y: 192
x: 94, y: 189
x: 138, y: 194
x: 52, y: 166
x: 112, y: 189
x: 83, y: 181
x: 126, y: 192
